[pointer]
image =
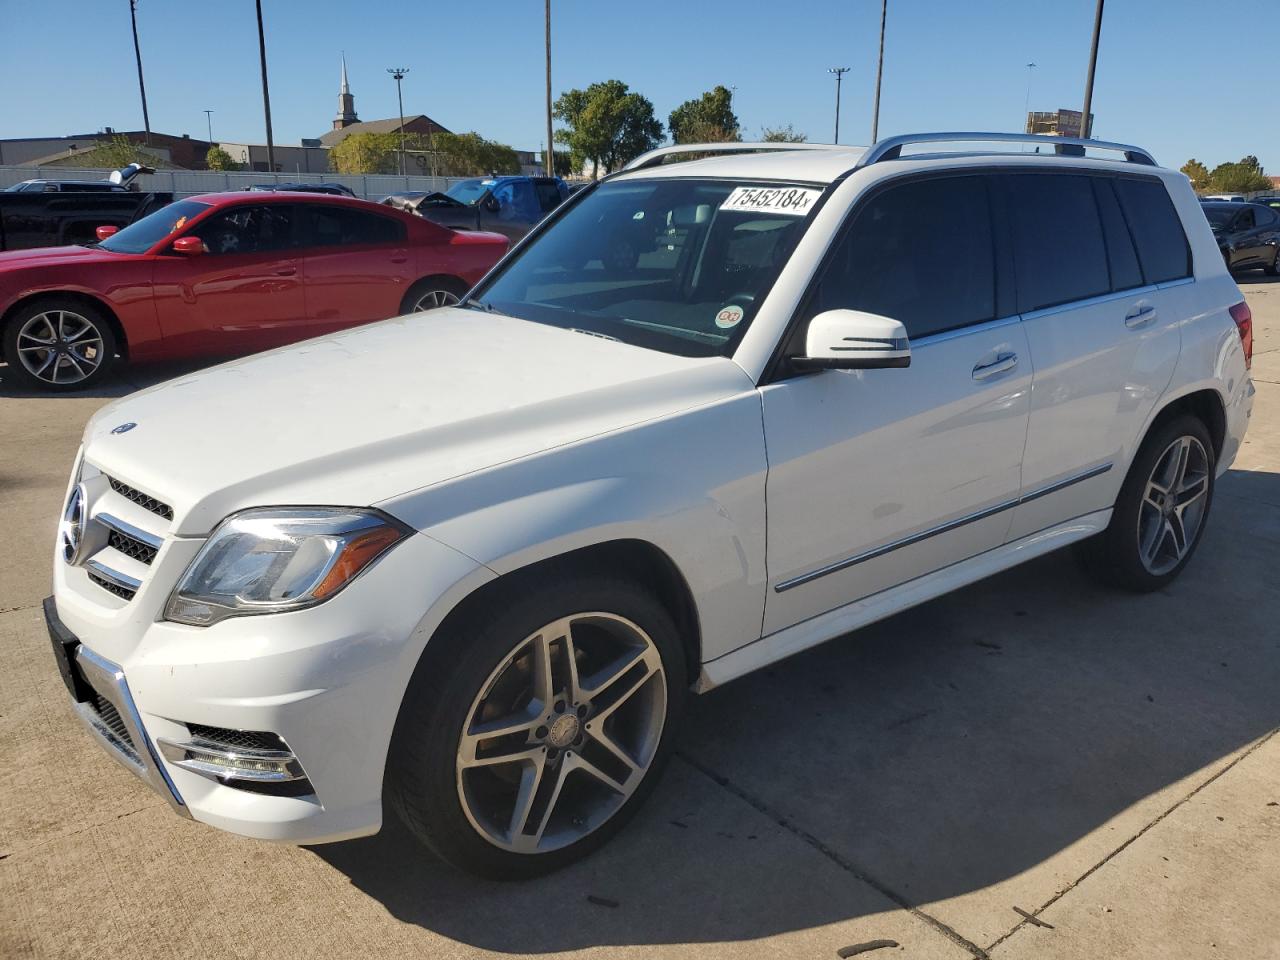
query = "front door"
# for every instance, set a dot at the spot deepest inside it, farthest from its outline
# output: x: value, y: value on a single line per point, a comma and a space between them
x: 243, y: 293
x: 880, y: 476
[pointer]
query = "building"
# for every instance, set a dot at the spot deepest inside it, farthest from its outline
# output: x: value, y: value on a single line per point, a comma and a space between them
x: 346, y: 102
x: 418, y: 123
x: 1059, y: 123
x: 307, y: 157
x: 179, y: 151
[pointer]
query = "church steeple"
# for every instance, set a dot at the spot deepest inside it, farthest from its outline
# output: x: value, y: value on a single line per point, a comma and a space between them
x: 346, y: 102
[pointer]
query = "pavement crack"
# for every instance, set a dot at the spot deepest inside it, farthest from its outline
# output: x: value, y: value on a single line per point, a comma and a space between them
x: 21, y: 606
x: 834, y: 856
x: 1033, y: 917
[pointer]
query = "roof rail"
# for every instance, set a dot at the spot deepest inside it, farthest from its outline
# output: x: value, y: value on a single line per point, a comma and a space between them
x: 655, y: 157
x: 891, y: 148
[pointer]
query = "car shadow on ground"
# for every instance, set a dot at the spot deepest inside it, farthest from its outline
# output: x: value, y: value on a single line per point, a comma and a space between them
x: 936, y: 753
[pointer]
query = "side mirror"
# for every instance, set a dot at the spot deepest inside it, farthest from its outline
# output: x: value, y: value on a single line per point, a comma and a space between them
x: 104, y: 232
x: 854, y: 340
x: 190, y: 246
x: 491, y: 204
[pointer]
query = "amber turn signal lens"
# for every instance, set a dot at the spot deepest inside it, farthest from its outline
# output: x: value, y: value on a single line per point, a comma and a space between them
x: 361, y: 552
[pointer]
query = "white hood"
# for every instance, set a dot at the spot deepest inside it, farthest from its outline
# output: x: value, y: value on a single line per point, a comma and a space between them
x: 358, y: 417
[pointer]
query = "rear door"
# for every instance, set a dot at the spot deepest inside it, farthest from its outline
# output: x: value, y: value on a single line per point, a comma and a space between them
x: 880, y: 476
x: 244, y: 293
x: 1098, y: 261
x: 355, y: 265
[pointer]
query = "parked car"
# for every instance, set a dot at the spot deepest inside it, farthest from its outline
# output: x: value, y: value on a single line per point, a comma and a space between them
x: 478, y: 592
x: 333, y: 189
x: 507, y: 205
x: 1233, y: 197
x: 117, y: 182
x: 53, y: 213
x: 225, y: 274
x: 1248, y: 234
x: 1273, y: 202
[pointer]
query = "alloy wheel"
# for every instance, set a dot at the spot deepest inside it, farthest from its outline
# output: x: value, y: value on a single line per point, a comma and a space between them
x: 562, y: 733
x: 434, y: 298
x: 60, y: 347
x: 1173, y: 505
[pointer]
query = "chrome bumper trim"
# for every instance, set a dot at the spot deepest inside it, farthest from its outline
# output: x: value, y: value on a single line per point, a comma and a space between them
x: 108, y: 681
x: 220, y: 762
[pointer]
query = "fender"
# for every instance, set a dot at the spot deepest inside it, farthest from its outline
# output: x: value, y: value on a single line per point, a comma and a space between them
x: 708, y: 518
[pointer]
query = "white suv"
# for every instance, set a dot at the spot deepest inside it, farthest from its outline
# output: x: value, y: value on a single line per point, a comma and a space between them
x: 707, y: 415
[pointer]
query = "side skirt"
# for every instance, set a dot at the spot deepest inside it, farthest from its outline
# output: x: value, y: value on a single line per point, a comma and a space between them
x: 878, y: 606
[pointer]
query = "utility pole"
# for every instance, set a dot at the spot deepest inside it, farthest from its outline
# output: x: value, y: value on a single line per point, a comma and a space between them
x: 875, y: 113
x: 208, y: 116
x: 1085, y: 128
x: 549, y: 157
x: 1026, y: 107
x: 137, y: 52
x: 839, y: 72
x: 266, y: 95
x: 397, y: 73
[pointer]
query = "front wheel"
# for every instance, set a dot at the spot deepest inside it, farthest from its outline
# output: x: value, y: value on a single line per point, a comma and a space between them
x: 59, y: 344
x: 1274, y: 269
x: 1161, y: 511
x: 529, y: 736
x: 431, y: 293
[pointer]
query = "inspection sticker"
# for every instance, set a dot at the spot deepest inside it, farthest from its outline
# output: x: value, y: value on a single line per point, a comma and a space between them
x: 730, y: 316
x: 793, y: 201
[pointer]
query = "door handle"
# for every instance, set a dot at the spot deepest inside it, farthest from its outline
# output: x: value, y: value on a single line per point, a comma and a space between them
x: 1139, y: 316
x: 399, y: 259
x: 286, y: 271
x: 1001, y: 364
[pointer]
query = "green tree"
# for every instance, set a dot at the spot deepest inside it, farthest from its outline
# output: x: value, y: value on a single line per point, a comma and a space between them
x: 219, y: 159
x: 786, y: 134
x: 465, y: 155
x: 708, y: 119
x: 1243, y: 177
x: 366, y: 153
x: 117, y: 152
x: 1197, y: 173
x: 607, y: 124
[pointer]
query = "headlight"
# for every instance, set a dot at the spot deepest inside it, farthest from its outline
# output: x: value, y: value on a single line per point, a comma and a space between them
x: 279, y: 558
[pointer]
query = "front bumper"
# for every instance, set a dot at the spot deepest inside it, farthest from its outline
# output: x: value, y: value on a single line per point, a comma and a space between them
x: 327, y: 681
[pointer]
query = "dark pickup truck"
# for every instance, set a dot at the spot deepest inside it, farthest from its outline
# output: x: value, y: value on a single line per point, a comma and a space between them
x: 66, y: 212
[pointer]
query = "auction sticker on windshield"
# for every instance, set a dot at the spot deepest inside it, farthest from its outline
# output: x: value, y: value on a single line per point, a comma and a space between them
x: 793, y: 201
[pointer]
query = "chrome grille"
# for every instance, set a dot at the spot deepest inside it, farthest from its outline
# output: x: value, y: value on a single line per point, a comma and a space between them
x: 237, y: 739
x: 131, y: 547
x: 111, y: 717
x: 159, y: 508
x: 122, y: 592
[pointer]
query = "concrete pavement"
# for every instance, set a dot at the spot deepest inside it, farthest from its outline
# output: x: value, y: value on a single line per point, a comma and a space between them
x: 1103, y: 762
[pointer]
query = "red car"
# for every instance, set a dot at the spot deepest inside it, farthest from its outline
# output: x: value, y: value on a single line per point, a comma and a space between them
x: 225, y: 274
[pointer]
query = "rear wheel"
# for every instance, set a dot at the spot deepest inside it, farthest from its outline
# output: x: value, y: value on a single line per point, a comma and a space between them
x: 59, y: 344
x: 528, y: 737
x: 431, y: 293
x: 1161, y: 511
x: 1274, y: 269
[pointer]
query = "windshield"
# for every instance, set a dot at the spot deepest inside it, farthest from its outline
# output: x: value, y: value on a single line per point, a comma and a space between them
x: 469, y: 191
x: 1219, y: 216
x: 674, y: 265
x: 141, y: 236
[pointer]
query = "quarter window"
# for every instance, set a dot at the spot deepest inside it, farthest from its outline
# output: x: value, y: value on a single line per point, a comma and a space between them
x: 1157, y: 229
x: 920, y: 253
x: 1059, y: 251
x: 343, y: 227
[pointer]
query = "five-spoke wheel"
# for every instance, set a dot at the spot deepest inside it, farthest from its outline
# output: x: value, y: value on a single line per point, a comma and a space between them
x: 1173, y: 505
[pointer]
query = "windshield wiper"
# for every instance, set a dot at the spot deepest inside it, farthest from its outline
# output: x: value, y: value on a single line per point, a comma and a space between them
x: 477, y: 304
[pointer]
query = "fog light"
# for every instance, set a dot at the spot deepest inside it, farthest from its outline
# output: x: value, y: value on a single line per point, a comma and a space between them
x: 234, y: 763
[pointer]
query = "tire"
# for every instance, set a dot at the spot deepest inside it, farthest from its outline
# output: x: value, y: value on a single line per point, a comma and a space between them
x: 446, y: 291
x: 82, y: 344
x: 441, y: 777
x: 1274, y: 269
x: 1141, y: 549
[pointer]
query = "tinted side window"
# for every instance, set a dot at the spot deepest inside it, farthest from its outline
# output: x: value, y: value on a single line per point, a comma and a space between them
x: 248, y: 229
x: 548, y: 194
x: 1156, y: 228
x: 921, y: 253
x: 1125, y: 273
x: 1244, y: 221
x: 1264, y: 216
x: 1057, y: 240
x: 343, y: 227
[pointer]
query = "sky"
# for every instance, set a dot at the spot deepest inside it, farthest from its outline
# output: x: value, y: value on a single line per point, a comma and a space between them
x: 949, y: 65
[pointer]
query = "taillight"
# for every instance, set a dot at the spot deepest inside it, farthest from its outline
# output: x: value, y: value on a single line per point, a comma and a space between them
x: 1243, y: 317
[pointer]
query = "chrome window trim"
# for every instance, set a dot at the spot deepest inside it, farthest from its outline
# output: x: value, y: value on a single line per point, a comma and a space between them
x: 112, y: 522
x: 947, y: 527
x: 956, y: 332
x: 1090, y: 301
x: 1181, y: 281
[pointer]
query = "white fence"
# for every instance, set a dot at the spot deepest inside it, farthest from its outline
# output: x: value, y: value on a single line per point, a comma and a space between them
x: 186, y: 183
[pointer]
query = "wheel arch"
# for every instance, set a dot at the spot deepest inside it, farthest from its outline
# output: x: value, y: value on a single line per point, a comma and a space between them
x: 117, y: 328
x: 1204, y: 403
x: 448, y: 281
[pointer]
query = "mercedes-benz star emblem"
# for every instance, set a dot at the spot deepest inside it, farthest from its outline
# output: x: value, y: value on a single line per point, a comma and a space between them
x: 124, y: 427
x: 71, y: 529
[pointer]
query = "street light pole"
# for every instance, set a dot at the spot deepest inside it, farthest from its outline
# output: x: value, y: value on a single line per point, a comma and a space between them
x: 1026, y: 107
x: 549, y: 156
x: 1085, y: 128
x: 208, y: 116
x: 397, y: 74
x: 137, y: 52
x: 839, y: 72
x: 266, y: 94
x: 875, y: 113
